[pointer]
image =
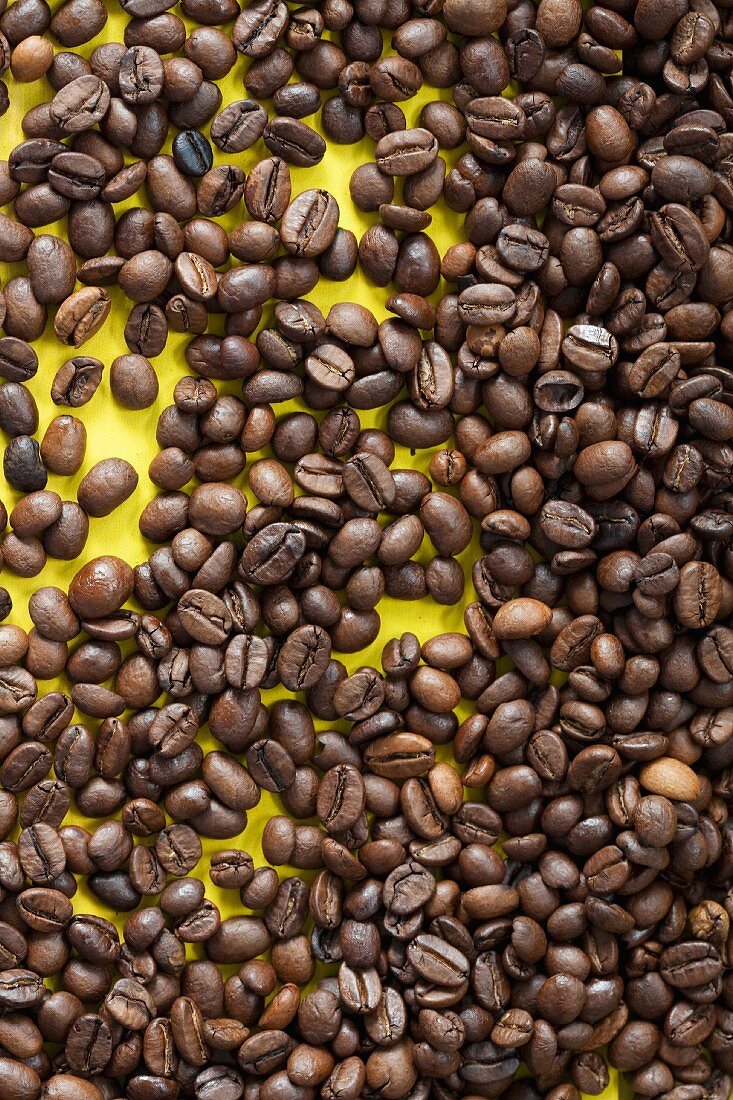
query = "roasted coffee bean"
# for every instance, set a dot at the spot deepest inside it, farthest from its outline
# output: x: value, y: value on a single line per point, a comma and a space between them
x: 106, y: 486
x: 51, y: 265
x: 80, y: 104
x: 294, y: 141
x: 23, y: 466
x: 81, y: 315
x: 573, y: 379
x: 133, y: 381
x: 192, y: 153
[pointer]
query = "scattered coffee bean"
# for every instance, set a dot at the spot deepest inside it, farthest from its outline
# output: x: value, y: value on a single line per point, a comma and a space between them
x: 571, y: 378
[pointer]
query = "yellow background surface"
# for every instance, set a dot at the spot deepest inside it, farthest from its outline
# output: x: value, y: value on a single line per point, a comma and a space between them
x: 113, y: 430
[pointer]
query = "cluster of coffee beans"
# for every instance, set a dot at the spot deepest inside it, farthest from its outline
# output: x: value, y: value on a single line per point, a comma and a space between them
x: 506, y: 852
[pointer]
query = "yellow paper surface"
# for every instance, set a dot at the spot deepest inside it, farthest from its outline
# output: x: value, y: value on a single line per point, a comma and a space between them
x: 115, y: 431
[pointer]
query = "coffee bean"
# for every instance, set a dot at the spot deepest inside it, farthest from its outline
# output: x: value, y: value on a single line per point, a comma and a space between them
x: 597, y: 472
x: 81, y: 315
x: 309, y: 223
x: 402, y: 153
x: 107, y: 485
x: 192, y: 153
x: 669, y: 777
x: 100, y: 587
x: 294, y: 141
x: 80, y: 104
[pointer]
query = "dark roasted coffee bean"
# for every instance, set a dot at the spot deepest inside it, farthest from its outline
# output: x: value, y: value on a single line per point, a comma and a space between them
x: 192, y: 153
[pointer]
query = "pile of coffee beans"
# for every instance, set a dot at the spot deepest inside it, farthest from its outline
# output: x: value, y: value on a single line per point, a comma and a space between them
x: 505, y: 853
